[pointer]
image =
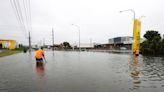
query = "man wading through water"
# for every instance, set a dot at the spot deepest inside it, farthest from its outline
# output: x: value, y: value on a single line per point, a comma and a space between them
x: 39, y: 57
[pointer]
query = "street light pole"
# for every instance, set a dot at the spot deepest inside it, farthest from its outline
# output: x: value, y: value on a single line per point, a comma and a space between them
x: 134, y: 17
x: 79, y: 35
x: 134, y: 14
x: 141, y: 17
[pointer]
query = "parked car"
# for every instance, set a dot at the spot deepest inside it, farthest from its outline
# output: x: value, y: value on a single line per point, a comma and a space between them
x: 123, y: 48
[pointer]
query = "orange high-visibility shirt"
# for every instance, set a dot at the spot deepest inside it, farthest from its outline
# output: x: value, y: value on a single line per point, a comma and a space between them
x: 39, y: 54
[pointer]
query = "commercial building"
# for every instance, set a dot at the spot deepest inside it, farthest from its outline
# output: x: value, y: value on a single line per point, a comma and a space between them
x: 121, y: 40
x: 124, y: 42
x: 7, y: 44
x: 84, y: 45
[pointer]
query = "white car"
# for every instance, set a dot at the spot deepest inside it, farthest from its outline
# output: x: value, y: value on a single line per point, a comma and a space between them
x: 123, y: 48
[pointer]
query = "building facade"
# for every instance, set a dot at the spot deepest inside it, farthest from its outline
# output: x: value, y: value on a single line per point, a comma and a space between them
x: 117, y: 43
x: 7, y: 44
x: 124, y: 42
x: 121, y: 40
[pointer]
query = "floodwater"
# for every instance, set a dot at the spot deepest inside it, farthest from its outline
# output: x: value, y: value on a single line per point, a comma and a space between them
x: 82, y: 72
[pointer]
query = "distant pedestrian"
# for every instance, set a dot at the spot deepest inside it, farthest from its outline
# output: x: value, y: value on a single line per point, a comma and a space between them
x: 24, y: 50
x: 39, y: 57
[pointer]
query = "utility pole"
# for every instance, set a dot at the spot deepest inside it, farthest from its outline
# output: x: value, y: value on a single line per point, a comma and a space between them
x: 52, y: 39
x: 91, y: 42
x: 29, y: 42
x: 43, y: 42
x: 79, y: 35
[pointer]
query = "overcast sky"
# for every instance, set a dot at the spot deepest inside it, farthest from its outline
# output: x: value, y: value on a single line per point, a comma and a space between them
x: 98, y: 20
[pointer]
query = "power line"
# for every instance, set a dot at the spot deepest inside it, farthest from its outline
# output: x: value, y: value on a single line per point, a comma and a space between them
x: 29, y: 10
x: 26, y: 13
x: 16, y: 14
x: 22, y: 13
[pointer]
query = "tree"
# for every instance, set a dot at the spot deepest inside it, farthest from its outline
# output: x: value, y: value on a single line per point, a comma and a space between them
x: 152, y: 35
x: 153, y: 43
x: 66, y: 45
x: 162, y: 47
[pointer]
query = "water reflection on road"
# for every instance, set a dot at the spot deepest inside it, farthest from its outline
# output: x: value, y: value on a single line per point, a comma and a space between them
x: 135, y: 72
x: 147, y: 73
x: 153, y: 71
x: 82, y: 72
x: 40, y: 70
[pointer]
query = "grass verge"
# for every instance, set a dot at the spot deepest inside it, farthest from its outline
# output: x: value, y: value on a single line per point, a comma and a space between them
x: 9, y: 52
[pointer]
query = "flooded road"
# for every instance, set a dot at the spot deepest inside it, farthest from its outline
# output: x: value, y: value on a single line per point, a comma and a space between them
x: 82, y: 72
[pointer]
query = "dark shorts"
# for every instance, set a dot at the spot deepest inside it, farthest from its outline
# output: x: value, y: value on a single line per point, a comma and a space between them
x: 39, y: 60
x: 38, y: 64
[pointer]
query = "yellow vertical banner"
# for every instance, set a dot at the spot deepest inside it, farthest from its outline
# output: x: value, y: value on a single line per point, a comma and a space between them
x: 137, y: 29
